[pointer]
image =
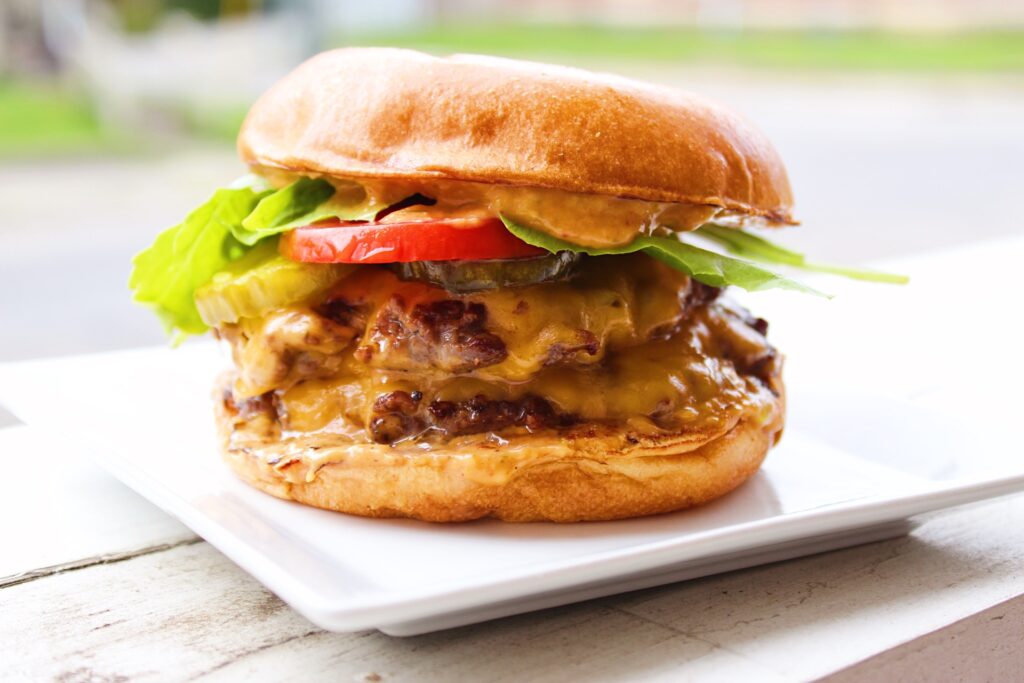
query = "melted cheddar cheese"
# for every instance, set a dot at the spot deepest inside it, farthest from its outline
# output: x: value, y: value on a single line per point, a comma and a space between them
x: 650, y: 361
x: 663, y: 383
x: 611, y: 308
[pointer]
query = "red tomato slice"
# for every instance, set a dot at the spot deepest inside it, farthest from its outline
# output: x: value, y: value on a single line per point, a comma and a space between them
x: 451, y: 239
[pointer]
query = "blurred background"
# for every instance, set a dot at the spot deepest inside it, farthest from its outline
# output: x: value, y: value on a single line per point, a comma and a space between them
x: 901, y: 121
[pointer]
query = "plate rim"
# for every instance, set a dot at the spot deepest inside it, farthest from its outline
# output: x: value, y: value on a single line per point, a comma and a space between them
x: 379, y: 608
x: 376, y: 609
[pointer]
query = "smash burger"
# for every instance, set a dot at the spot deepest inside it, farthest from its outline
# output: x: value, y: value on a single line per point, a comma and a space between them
x: 463, y: 287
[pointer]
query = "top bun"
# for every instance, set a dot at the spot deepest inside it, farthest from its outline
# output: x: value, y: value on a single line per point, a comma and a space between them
x: 398, y: 114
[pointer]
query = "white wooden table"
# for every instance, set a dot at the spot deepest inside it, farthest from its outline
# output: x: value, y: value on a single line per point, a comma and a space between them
x: 98, y: 585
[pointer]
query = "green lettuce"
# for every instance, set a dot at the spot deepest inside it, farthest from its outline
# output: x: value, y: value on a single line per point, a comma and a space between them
x: 166, y: 275
x: 236, y: 219
x: 304, y: 202
x: 700, y: 264
x: 283, y: 210
x: 759, y: 249
x: 330, y: 209
x: 233, y: 221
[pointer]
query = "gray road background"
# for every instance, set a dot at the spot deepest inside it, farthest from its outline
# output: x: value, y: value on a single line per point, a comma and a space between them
x: 881, y: 166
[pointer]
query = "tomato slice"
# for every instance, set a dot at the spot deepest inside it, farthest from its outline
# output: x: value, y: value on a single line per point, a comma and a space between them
x: 448, y: 239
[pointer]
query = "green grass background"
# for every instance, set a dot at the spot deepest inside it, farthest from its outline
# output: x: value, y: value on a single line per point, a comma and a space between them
x: 44, y: 119
x: 37, y: 118
x: 857, y: 50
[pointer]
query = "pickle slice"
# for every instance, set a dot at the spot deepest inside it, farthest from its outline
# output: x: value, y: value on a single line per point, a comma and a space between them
x: 261, y: 281
x: 476, y: 276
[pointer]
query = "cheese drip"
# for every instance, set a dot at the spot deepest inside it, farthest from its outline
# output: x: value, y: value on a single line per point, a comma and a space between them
x: 650, y: 360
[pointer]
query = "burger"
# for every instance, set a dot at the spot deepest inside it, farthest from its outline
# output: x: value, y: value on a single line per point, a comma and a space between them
x: 467, y: 287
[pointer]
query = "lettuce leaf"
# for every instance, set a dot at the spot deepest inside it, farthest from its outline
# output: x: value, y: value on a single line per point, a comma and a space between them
x: 165, y: 276
x: 702, y: 265
x: 233, y: 221
x: 283, y: 209
x: 759, y: 249
x: 330, y: 209
x: 304, y: 202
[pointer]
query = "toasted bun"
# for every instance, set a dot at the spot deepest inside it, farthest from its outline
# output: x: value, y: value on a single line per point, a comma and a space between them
x: 398, y: 114
x: 592, y: 474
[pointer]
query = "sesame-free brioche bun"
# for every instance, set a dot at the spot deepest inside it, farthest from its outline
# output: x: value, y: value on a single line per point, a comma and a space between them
x: 378, y: 113
x: 395, y: 115
x: 593, y: 472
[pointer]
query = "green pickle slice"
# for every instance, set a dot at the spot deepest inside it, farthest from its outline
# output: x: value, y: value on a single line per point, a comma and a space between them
x: 261, y: 281
x: 475, y: 276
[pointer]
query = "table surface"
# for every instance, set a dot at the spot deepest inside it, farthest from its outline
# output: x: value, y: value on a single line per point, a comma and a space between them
x: 96, y: 584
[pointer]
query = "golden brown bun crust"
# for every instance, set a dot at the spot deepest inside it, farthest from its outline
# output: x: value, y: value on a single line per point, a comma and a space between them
x: 390, y: 113
x: 599, y: 475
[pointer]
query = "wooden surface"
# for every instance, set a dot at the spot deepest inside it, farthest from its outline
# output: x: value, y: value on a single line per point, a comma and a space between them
x: 152, y: 602
x: 983, y: 647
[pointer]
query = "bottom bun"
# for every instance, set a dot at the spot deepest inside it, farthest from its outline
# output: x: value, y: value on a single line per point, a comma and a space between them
x: 592, y: 473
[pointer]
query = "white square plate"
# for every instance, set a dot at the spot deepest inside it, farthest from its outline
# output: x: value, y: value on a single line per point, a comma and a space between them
x: 852, y: 468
